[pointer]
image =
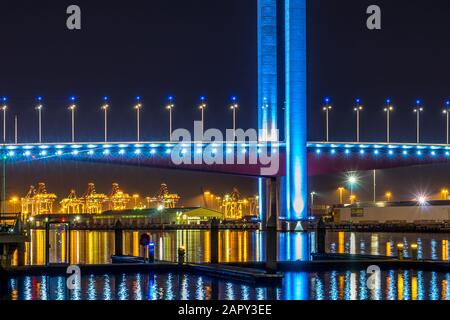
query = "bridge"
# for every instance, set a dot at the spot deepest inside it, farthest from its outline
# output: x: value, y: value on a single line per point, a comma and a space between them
x: 285, y: 193
x: 323, y: 157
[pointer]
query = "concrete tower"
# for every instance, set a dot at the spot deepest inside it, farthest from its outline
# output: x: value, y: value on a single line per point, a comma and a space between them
x: 296, y: 104
x: 294, y: 195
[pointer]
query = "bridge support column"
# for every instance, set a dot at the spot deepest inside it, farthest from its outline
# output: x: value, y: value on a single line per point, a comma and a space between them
x: 267, y: 83
x: 214, y: 241
x: 3, y: 283
x: 21, y: 254
x: 118, y: 239
x: 7, y: 253
x: 321, y: 233
x: 271, y: 243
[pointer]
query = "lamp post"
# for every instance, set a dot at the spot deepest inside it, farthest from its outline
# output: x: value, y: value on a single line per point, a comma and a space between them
x: 138, y: 107
x: 72, y: 108
x: 418, y: 110
x: 358, y: 109
x: 170, y: 106
x: 39, y: 108
x: 388, y: 109
x: 4, y: 108
x: 388, y: 196
x: 327, y: 108
x: 447, y: 116
x: 105, y: 108
x: 202, y: 108
x: 234, y: 107
x: 313, y: 194
x: 352, y: 181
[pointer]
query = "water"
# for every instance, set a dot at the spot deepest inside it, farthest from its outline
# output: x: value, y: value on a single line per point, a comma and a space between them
x: 97, y: 247
x: 394, y: 285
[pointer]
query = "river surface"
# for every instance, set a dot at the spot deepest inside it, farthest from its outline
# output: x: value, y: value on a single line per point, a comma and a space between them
x: 392, y: 285
x: 96, y: 247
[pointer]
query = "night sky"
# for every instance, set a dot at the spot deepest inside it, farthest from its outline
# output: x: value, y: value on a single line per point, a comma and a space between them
x: 208, y: 47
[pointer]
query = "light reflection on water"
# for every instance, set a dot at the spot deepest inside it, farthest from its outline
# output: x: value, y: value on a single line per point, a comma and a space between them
x: 97, y: 247
x: 395, y: 285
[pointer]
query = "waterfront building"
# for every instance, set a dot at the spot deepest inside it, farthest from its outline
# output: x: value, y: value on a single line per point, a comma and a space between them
x: 412, y: 212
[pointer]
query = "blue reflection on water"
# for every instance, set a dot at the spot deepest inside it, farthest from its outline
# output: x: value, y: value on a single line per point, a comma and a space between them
x: 334, y: 285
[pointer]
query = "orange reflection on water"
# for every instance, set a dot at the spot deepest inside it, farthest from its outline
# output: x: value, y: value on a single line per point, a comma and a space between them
x: 414, y: 287
x: 401, y: 286
x: 341, y: 242
x: 445, y: 250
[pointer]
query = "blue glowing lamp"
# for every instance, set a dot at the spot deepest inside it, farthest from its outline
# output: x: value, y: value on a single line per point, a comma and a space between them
x: 170, y: 98
x: 358, y: 101
x: 39, y: 98
x: 202, y: 99
x: 73, y: 98
x: 4, y: 99
x: 388, y: 101
x: 234, y: 98
x: 327, y: 100
x: 138, y: 98
x: 418, y: 102
x: 105, y: 98
x: 447, y: 103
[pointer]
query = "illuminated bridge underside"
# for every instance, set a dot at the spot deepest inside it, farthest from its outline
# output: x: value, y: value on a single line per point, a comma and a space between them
x: 328, y: 158
x: 323, y: 158
x: 157, y: 155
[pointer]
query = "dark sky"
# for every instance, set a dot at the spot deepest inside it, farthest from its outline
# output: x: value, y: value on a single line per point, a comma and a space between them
x: 208, y: 47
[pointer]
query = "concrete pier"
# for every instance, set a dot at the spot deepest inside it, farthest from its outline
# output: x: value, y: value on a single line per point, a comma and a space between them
x: 214, y: 241
x: 271, y: 243
x: 118, y: 239
x: 321, y: 233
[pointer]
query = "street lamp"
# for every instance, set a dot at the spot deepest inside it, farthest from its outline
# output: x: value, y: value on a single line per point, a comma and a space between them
x: 447, y: 115
x: 388, y: 196
x: 39, y: 108
x: 313, y: 194
x: 72, y: 108
x: 170, y: 106
x: 4, y: 107
x: 358, y: 109
x: 327, y: 108
x: 234, y: 107
x: 388, y: 109
x: 352, y: 181
x: 418, y: 110
x: 138, y: 107
x: 202, y: 108
x: 105, y: 108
